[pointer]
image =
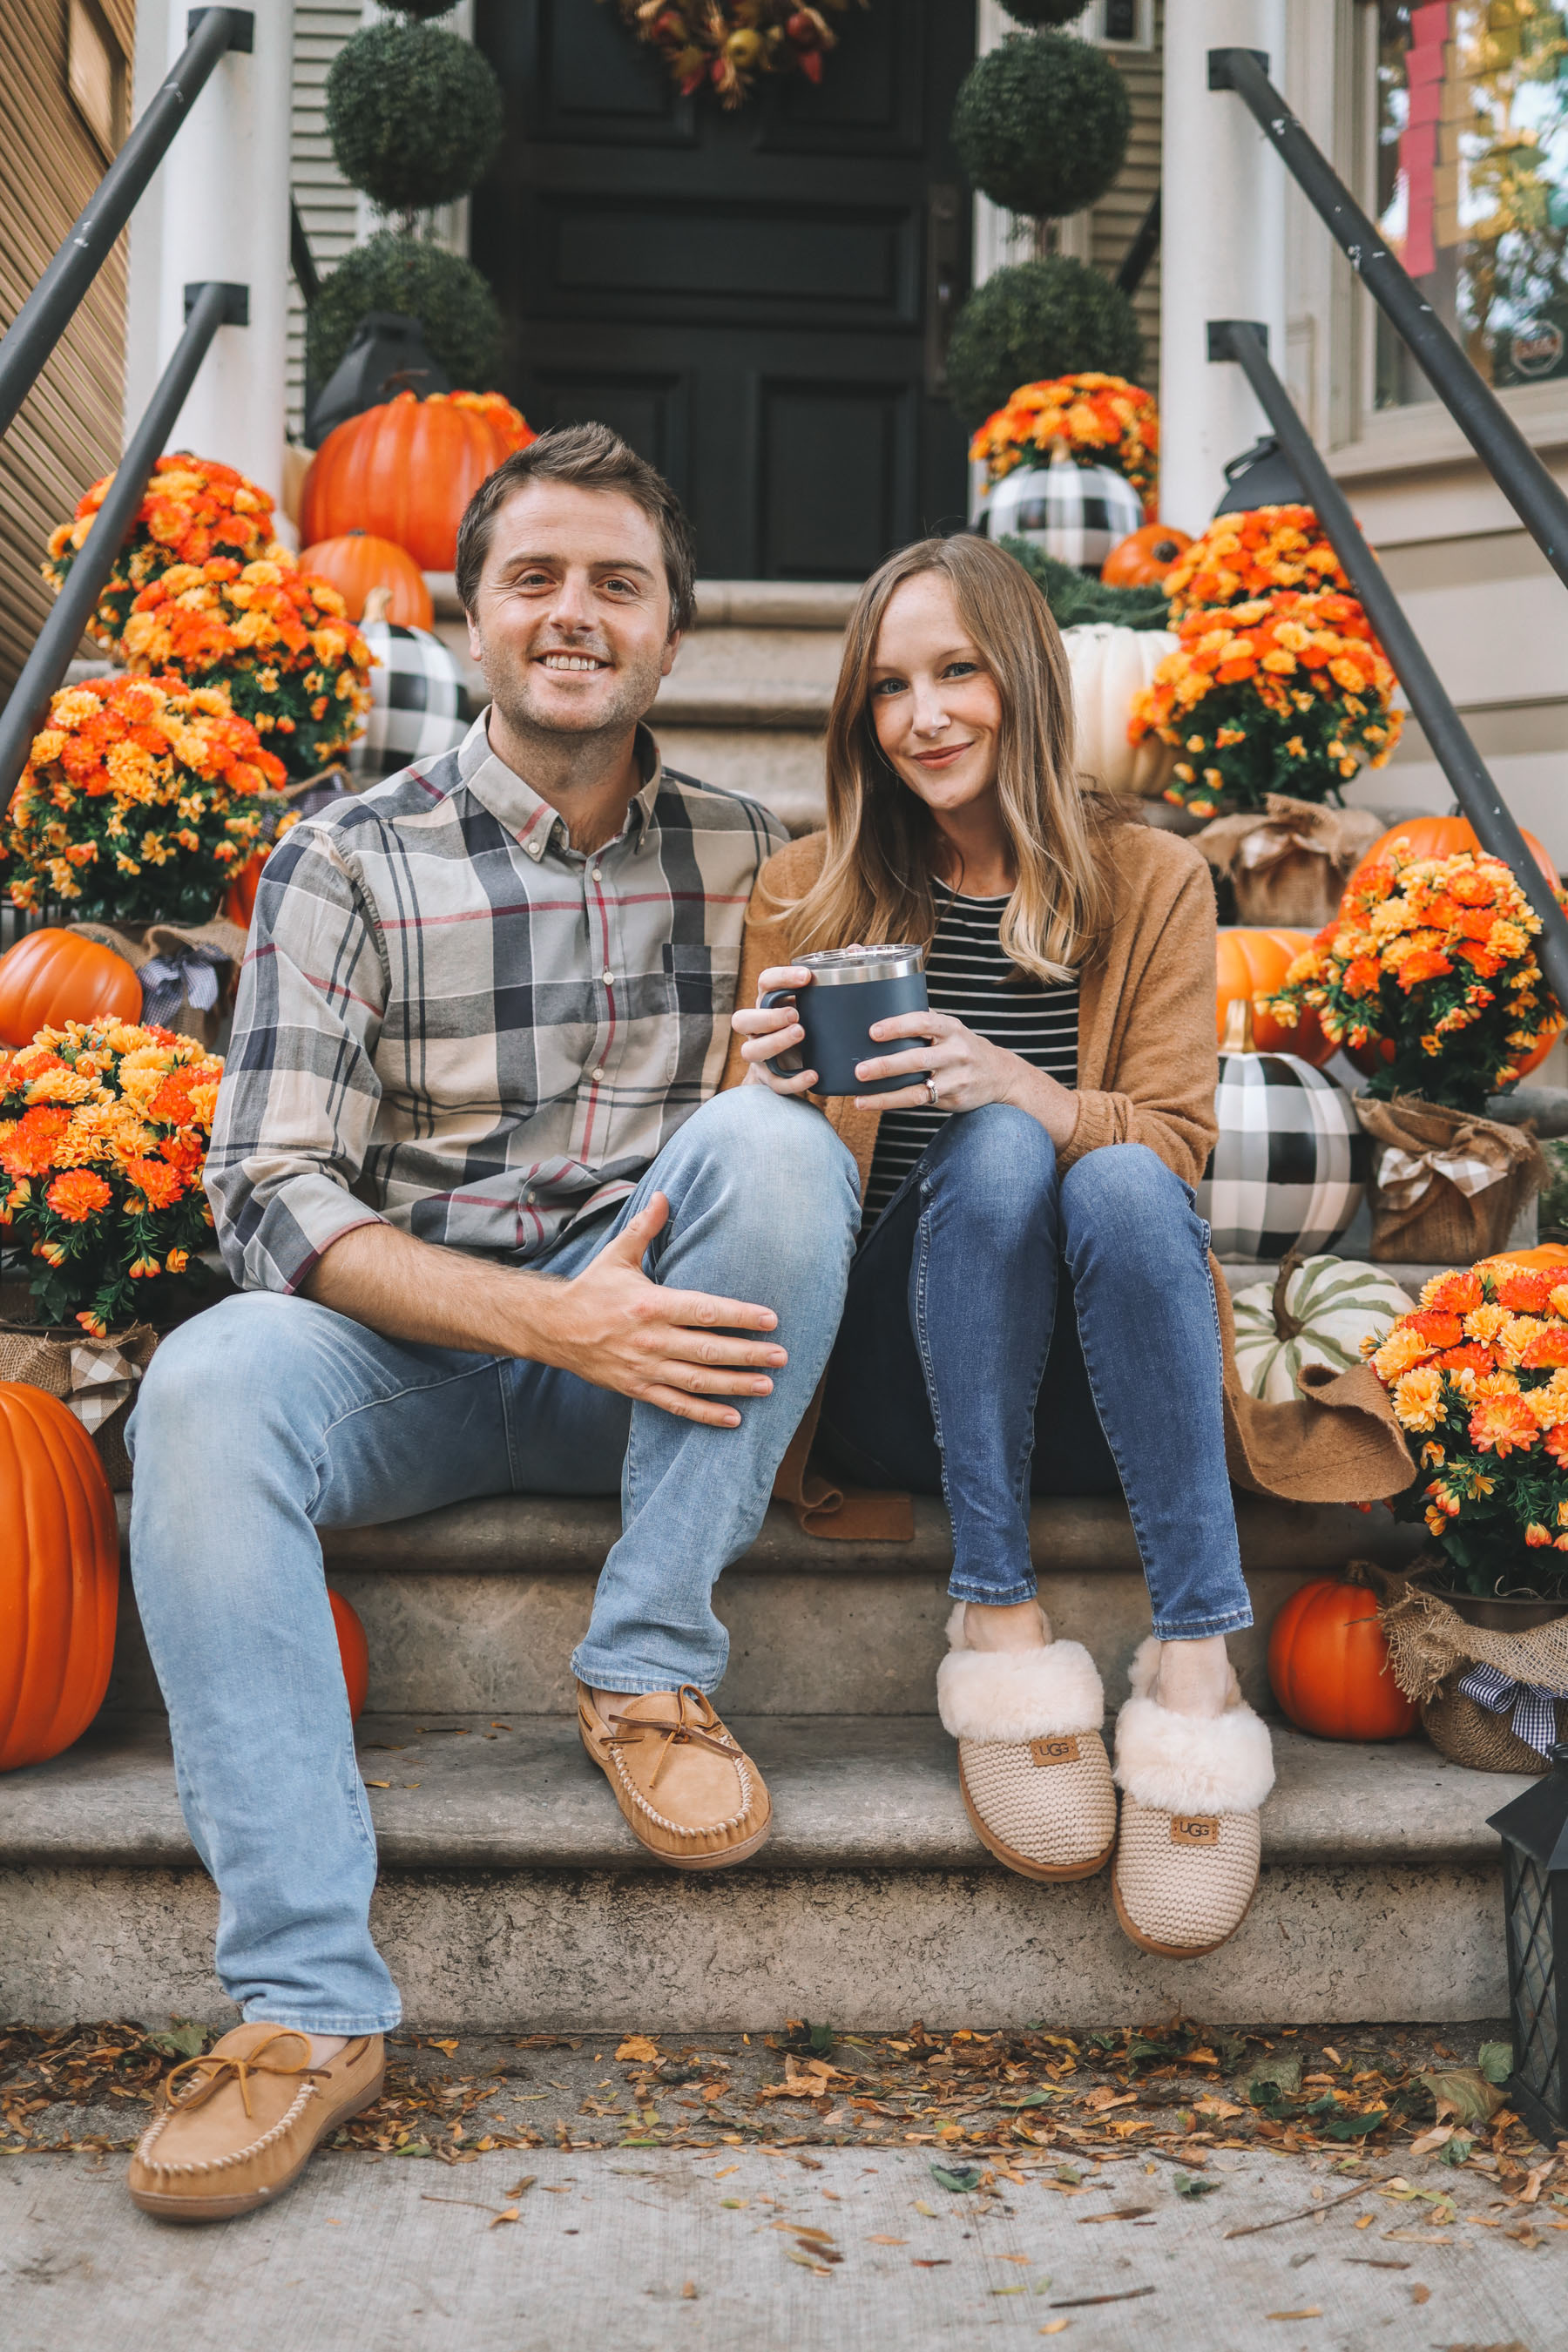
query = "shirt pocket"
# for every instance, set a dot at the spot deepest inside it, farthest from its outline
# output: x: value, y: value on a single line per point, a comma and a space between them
x: 699, y: 992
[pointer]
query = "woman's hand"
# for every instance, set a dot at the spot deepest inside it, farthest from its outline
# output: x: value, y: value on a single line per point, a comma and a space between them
x: 968, y: 1072
x: 773, y: 1030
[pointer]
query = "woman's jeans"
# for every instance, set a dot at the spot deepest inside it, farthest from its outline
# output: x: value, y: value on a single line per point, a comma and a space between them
x: 269, y: 1418
x: 953, y: 1367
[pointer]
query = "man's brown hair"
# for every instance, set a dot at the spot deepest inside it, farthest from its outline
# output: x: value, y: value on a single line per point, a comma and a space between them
x: 596, y: 459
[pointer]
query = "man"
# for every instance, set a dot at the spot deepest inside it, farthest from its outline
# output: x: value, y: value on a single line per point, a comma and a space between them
x: 495, y: 1234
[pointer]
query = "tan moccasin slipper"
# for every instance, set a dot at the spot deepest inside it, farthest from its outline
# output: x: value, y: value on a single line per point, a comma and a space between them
x: 1187, y: 1857
x: 237, y: 2127
x: 690, y: 1792
x: 1031, y: 1763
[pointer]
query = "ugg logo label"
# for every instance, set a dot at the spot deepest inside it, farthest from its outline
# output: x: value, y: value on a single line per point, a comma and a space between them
x: 1194, y: 1828
x: 1061, y: 1750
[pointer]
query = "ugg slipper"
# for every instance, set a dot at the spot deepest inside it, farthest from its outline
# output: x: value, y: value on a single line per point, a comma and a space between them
x: 1031, y: 1762
x: 1187, y: 1856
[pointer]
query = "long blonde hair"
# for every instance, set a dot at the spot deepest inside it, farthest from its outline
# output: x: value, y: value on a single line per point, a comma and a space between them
x: 875, y: 883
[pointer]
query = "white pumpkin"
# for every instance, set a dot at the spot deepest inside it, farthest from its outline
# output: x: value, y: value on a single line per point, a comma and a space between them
x: 1329, y: 1306
x: 1111, y: 665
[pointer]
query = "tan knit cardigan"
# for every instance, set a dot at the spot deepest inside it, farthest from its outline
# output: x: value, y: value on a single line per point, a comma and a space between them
x: 1147, y: 1064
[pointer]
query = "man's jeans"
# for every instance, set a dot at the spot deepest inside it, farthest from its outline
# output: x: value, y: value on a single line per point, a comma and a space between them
x: 954, y: 1368
x: 268, y: 1418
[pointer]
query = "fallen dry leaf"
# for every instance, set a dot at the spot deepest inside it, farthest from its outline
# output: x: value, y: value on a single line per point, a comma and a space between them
x: 519, y: 2187
x: 1420, y: 2294
x: 688, y: 2290
x: 1098, y: 2100
x: 942, y: 2262
x: 1116, y: 2213
x: 1055, y: 2327
x: 886, y: 2241
x: 1438, y: 2136
x: 1307, y: 2311
x: 513, y: 2213
x: 637, y: 2046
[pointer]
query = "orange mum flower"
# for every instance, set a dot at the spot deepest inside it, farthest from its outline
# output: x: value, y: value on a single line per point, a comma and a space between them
x: 1524, y: 1288
x: 160, y: 1184
x: 30, y: 1149
x: 77, y: 1194
x: 1457, y: 1292
x: 1499, y: 1423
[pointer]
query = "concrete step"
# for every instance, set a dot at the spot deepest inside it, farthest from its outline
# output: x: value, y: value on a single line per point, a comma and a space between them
x: 480, y: 1605
x: 512, y: 1892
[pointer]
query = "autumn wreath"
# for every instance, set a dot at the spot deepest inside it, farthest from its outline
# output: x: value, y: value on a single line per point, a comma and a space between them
x: 728, y: 43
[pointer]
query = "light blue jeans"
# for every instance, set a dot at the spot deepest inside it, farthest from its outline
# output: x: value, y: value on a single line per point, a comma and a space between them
x: 307, y: 1420
x: 954, y: 1371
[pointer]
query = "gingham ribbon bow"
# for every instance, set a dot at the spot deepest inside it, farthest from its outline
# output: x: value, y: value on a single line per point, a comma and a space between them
x: 188, y: 975
x: 1404, y: 1176
x: 1534, y: 1708
x: 100, y: 1380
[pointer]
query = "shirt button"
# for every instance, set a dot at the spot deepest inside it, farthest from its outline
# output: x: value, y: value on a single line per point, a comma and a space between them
x: 609, y: 979
x: 599, y: 1074
x: 534, y: 849
x: 597, y: 875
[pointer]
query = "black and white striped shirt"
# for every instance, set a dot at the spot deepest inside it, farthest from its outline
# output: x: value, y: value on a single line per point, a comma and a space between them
x: 968, y: 975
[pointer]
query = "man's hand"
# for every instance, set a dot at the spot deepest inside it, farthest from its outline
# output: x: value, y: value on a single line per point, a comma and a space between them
x: 609, y: 1323
x: 614, y: 1327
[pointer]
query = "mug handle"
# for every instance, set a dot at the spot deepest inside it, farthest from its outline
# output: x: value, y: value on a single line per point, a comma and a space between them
x: 783, y: 1068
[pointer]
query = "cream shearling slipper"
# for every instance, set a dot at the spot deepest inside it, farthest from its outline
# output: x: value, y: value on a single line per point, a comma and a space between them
x: 1031, y: 1763
x: 1187, y: 1857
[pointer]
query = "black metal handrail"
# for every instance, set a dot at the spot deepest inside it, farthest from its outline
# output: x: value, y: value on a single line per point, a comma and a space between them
x: 1534, y: 495
x: 52, y: 304
x: 209, y: 307
x: 1246, y: 342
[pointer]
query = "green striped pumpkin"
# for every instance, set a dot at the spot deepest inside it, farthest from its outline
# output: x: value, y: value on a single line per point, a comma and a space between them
x: 1318, y: 1312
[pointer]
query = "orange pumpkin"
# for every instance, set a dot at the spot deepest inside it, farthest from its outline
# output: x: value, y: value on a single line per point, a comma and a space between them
x: 59, y: 1576
x: 53, y: 976
x: 354, y: 1652
x: 1142, y: 559
x: 357, y: 562
x: 240, y: 898
x: 403, y: 471
x: 1442, y: 836
x: 1548, y: 1257
x: 1250, y: 965
x: 1328, y: 1665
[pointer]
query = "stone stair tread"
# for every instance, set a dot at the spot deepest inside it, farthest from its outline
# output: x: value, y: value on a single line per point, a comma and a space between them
x: 872, y: 1794
x: 524, y: 1534
x: 685, y: 700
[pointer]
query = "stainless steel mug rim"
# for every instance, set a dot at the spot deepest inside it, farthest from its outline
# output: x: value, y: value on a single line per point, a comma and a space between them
x: 833, y: 967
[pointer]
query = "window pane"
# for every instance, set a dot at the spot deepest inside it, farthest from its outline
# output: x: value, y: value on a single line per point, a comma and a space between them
x: 1472, y: 181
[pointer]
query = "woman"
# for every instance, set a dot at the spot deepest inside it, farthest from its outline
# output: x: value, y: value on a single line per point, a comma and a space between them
x: 1031, y: 1306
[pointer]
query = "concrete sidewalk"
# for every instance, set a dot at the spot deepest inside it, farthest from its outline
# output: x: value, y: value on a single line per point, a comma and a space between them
x: 741, y: 2249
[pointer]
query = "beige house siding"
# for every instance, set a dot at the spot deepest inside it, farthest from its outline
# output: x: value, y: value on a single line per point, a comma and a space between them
x: 329, y: 207
x: 67, y: 431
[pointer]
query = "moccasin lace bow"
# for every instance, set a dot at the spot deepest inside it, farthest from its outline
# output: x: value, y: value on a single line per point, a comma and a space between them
x: 701, y: 1730
x: 231, y: 2062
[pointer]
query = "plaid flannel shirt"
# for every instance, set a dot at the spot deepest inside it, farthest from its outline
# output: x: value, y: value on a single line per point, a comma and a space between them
x: 450, y: 1020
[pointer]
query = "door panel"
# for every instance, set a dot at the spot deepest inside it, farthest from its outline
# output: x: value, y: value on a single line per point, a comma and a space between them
x: 753, y: 298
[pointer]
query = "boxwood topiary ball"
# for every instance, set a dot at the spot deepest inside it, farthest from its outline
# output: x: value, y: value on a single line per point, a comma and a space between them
x: 415, y: 114
x: 460, y: 316
x: 1041, y: 123
x: 1027, y: 12
x: 445, y: 7
x: 1037, y: 319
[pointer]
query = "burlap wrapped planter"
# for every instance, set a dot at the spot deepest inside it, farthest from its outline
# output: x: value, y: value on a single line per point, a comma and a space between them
x: 1289, y: 867
x: 1432, y: 1651
x: 1448, y: 1187
x: 170, y: 959
x: 95, y: 1377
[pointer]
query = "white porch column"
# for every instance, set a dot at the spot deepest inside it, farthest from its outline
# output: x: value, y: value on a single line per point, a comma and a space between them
x: 1223, y: 248
x: 219, y: 209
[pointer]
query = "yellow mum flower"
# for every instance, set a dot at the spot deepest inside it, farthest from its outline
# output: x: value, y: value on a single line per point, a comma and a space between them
x: 1418, y: 1399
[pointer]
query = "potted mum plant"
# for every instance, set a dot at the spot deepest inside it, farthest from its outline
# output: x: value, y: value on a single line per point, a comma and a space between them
x: 1478, y: 1378
x: 104, y: 1128
x: 141, y: 800
x: 1284, y: 693
x: 1072, y: 466
x: 1429, y: 976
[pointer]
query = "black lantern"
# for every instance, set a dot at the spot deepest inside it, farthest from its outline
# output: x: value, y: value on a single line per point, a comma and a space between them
x: 1534, y: 1833
x: 1261, y: 477
x: 388, y: 354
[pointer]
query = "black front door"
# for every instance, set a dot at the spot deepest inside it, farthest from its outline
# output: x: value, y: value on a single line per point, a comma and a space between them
x: 757, y: 300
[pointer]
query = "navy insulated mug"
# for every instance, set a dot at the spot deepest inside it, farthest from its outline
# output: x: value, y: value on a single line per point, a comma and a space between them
x: 851, y: 988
